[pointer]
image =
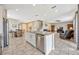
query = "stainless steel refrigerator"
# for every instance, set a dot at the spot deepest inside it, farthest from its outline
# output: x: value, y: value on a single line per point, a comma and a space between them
x: 5, y: 32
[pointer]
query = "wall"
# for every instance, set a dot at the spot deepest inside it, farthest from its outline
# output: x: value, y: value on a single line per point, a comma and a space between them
x: 63, y: 24
x: 2, y: 15
x: 57, y: 25
x: 32, y: 26
x: 13, y: 24
x: 24, y: 27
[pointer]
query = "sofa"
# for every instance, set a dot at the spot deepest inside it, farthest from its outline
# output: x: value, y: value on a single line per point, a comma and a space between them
x: 68, y: 34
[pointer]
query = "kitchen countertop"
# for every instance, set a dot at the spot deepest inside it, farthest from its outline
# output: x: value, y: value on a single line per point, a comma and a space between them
x: 42, y: 33
x: 42, y: 40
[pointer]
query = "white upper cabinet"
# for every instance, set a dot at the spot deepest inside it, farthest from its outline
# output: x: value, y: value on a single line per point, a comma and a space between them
x: 37, y: 25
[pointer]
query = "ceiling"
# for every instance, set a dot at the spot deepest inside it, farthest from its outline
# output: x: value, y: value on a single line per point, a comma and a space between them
x: 46, y: 12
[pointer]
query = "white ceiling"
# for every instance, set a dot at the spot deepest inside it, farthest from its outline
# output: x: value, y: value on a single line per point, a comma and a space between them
x: 27, y: 12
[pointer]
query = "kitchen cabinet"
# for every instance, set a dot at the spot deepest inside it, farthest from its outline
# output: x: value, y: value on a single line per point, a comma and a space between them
x: 30, y: 37
x: 37, y: 25
x: 32, y: 26
x: 43, y: 41
x: 29, y: 26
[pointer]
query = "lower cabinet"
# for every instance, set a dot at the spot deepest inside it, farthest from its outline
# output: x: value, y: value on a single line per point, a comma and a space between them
x: 44, y: 43
x: 31, y: 38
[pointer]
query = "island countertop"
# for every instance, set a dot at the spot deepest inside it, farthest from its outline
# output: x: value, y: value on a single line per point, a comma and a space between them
x: 43, y: 41
x: 42, y: 33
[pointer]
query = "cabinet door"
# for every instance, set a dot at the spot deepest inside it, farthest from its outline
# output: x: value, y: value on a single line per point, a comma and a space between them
x: 37, y: 25
x: 33, y: 39
x: 27, y: 37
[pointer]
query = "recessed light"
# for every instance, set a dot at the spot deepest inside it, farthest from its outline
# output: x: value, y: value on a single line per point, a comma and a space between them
x: 17, y: 9
x: 37, y: 15
x: 34, y: 5
x: 56, y: 10
x: 58, y: 21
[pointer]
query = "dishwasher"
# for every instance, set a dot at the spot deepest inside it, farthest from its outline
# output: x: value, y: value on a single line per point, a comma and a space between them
x: 40, y: 42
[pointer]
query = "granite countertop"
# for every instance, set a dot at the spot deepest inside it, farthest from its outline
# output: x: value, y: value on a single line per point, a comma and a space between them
x: 42, y: 33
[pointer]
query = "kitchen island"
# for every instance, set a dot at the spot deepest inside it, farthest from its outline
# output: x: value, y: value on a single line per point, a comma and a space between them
x: 0, y: 43
x: 43, y: 41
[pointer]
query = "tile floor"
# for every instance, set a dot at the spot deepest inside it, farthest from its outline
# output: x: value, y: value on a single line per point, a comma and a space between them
x: 64, y: 47
x: 18, y: 46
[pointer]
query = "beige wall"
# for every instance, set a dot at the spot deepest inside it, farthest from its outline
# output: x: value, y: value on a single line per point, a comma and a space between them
x: 32, y: 26
x: 13, y: 24
x: 60, y: 24
x: 24, y: 27
x: 63, y: 24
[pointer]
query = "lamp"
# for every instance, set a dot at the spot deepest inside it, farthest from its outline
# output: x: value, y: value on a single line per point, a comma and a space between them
x: 71, y: 28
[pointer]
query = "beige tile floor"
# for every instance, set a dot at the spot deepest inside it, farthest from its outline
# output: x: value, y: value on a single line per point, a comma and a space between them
x: 64, y: 47
x: 18, y: 46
